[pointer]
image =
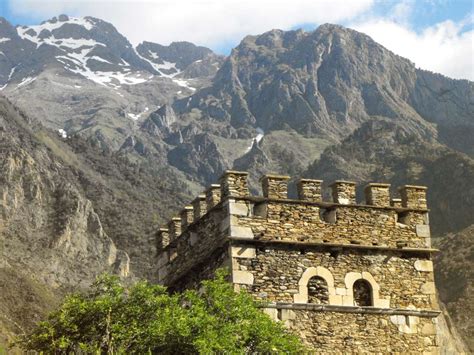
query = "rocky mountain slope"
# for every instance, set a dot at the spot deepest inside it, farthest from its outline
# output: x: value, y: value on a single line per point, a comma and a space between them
x: 455, y: 272
x: 50, y: 233
x: 61, y: 203
x: 144, y: 128
x: 92, y: 80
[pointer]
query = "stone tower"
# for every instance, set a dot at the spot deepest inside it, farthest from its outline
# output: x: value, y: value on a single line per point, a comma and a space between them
x: 345, y: 276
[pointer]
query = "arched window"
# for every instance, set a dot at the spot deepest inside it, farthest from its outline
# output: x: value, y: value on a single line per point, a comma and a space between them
x: 318, y: 292
x: 362, y: 293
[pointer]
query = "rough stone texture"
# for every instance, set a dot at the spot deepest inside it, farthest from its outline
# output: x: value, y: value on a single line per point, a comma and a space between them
x: 329, y: 332
x: 377, y: 194
x: 293, y: 220
x: 343, y: 192
x: 396, y: 202
x: 199, y: 207
x: 213, y: 195
x: 174, y: 228
x: 278, y: 270
x: 187, y: 216
x: 359, y: 278
x: 275, y: 186
x: 309, y: 189
x: 413, y: 196
x: 318, y: 290
x: 234, y: 183
x: 162, y: 238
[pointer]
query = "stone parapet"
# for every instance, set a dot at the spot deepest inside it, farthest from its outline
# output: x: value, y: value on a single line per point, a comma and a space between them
x: 381, y: 221
x: 309, y: 190
x: 213, y: 195
x: 275, y: 186
x: 343, y: 192
x: 174, y: 228
x: 377, y: 194
x: 187, y: 216
x: 413, y: 196
x: 199, y: 207
x: 396, y: 202
x: 234, y: 184
x: 162, y: 238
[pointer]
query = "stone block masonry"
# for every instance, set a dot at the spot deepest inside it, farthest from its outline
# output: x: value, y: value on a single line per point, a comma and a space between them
x: 345, y: 276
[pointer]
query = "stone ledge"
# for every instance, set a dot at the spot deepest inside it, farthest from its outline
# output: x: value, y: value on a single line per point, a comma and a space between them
x: 310, y: 180
x: 342, y: 182
x: 235, y: 172
x: 413, y: 187
x: 352, y: 309
x: 275, y: 177
x: 332, y: 245
x: 377, y: 184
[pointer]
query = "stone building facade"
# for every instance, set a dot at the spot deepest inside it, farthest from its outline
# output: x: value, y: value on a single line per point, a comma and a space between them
x: 345, y: 276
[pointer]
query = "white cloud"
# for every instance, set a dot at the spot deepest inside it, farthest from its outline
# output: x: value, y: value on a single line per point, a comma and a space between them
x: 207, y: 22
x: 442, y: 48
x: 402, y: 11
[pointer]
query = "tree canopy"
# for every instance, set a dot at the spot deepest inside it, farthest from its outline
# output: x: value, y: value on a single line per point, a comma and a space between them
x: 144, y: 318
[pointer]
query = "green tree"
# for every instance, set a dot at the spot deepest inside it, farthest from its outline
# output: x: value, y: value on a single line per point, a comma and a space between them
x: 145, y: 318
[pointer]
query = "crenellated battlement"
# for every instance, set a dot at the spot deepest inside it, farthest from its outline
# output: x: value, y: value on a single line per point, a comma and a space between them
x: 276, y: 247
x: 380, y: 220
x: 234, y: 185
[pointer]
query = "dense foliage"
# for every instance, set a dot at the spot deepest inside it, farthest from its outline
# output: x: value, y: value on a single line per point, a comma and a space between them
x: 145, y: 318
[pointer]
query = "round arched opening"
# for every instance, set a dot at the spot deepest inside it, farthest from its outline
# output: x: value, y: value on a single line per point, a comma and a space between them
x: 362, y: 293
x: 318, y: 290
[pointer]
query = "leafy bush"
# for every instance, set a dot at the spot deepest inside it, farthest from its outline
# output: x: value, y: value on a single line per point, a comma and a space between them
x: 145, y: 318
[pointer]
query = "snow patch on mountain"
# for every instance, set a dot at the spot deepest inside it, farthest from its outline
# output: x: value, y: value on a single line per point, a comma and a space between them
x: 53, y: 25
x: 26, y: 81
x: 33, y: 36
x: 153, y: 55
x: 159, y: 67
x: 256, y: 139
x: 136, y: 116
x: 184, y: 83
x: 77, y: 63
x: 99, y: 59
x: 62, y: 133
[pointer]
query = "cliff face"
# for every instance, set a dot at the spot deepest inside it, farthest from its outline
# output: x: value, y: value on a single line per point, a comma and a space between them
x: 455, y: 272
x: 51, y: 238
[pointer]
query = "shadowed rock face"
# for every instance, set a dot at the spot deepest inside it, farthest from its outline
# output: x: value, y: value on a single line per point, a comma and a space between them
x: 46, y: 221
x: 61, y: 213
x: 455, y: 276
x: 51, y: 236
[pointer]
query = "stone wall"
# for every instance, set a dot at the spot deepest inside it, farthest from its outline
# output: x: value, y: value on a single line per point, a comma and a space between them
x: 302, y: 258
x: 194, y: 248
x: 402, y: 281
x: 342, y: 332
x: 302, y: 221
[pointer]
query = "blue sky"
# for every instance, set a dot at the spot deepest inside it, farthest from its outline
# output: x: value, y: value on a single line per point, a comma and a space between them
x: 435, y: 34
